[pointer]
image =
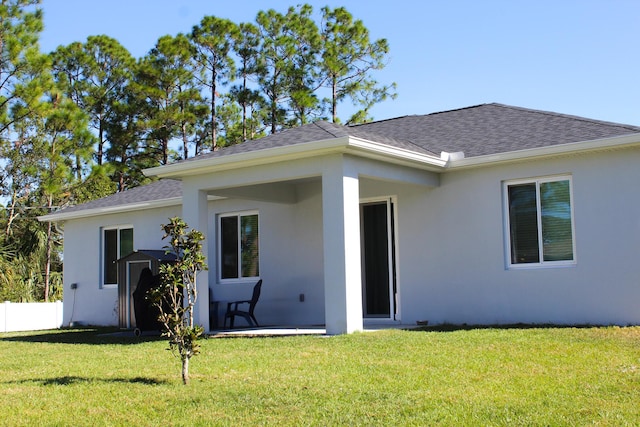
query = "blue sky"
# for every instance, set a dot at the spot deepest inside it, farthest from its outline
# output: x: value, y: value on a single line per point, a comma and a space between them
x: 569, y: 56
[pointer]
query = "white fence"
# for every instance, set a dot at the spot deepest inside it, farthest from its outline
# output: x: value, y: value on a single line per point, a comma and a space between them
x: 30, y: 316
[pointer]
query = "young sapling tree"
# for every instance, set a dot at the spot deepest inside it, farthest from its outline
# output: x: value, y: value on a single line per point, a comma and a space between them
x: 177, y: 293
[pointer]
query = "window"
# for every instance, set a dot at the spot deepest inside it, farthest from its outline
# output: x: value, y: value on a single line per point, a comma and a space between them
x: 540, y: 222
x: 239, y: 246
x: 116, y: 243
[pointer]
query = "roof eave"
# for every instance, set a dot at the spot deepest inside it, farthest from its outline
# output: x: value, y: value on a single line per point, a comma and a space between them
x: 345, y: 144
x: 86, y: 213
x: 601, y: 144
x: 247, y: 159
x: 390, y: 154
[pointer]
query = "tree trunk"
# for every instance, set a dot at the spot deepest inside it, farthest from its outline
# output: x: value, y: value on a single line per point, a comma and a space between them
x: 100, y: 152
x: 185, y: 140
x: 214, y: 137
x: 165, y: 151
x: 252, y: 127
x: 185, y: 370
x: 244, y: 121
x: 47, y: 266
x: 12, y: 212
x: 274, y: 107
x: 78, y: 168
x: 244, y: 107
x: 334, y: 100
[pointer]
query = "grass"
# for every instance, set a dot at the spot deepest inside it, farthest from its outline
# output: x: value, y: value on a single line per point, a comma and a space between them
x: 450, y: 376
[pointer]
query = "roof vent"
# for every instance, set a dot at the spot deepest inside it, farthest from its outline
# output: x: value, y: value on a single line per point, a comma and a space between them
x: 451, y: 156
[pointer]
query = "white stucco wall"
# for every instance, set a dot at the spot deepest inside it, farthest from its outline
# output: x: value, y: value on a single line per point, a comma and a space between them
x: 288, y: 197
x: 453, y: 257
x: 290, y: 258
x: 91, y: 303
x: 451, y: 247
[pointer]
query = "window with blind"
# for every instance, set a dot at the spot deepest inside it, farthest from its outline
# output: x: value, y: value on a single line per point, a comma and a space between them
x: 239, y: 246
x: 540, y: 222
x: 117, y: 242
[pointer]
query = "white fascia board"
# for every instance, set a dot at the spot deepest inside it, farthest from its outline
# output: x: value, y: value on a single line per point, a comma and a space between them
x: 345, y: 144
x: 85, y: 213
x: 248, y: 159
x: 551, y: 151
x: 396, y: 155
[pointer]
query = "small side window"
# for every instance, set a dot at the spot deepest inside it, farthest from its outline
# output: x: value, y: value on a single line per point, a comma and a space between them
x: 540, y: 222
x: 117, y: 242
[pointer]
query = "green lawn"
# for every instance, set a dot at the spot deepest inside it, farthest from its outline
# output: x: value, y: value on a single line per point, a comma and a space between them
x: 493, y: 376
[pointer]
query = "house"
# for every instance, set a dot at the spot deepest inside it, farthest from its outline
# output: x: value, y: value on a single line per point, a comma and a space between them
x: 489, y: 214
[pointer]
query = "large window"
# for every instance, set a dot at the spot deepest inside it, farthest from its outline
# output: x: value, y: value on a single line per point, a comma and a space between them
x: 117, y: 242
x: 239, y: 246
x: 540, y: 222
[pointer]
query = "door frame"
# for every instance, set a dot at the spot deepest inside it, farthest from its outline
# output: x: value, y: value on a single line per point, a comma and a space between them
x: 394, y: 274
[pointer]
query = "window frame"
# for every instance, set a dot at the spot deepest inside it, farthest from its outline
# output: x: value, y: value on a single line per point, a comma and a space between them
x: 238, y: 215
x: 507, y: 223
x: 103, y: 251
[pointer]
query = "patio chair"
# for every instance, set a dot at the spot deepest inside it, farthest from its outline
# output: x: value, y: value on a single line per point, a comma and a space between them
x: 233, y: 310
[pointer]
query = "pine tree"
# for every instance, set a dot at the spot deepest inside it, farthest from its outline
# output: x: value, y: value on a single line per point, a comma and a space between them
x: 63, y: 129
x: 246, y: 47
x: 303, y: 78
x: 94, y: 75
x: 23, y: 81
x: 348, y: 57
x: 213, y: 40
x: 174, y: 105
x: 275, y: 66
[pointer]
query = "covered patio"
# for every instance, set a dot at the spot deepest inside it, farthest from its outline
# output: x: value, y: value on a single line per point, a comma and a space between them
x: 309, y: 199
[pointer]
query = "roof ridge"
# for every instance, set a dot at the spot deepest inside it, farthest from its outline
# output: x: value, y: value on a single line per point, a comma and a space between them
x: 381, y: 121
x: 366, y: 133
x: 420, y: 115
x: 325, y: 126
x: 457, y: 109
x: 410, y: 141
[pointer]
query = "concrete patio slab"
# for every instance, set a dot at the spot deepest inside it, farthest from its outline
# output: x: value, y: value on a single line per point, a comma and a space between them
x: 275, y: 331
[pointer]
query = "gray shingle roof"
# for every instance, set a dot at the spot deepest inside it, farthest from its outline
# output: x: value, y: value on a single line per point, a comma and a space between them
x: 478, y: 130
x: 494, y: 128
x: 317, y: 131
x: 158, y: 190
x: 312, y: 132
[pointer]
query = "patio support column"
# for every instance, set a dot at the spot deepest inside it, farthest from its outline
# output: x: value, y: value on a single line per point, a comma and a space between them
x: 195, y: 214
x: 341, y: 234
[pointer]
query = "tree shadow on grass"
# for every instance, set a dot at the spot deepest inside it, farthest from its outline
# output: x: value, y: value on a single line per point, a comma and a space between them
x: 95, y: 336
x: 71, y: 380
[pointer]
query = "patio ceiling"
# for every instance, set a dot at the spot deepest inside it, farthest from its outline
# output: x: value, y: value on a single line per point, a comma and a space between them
x: 276, y: 192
